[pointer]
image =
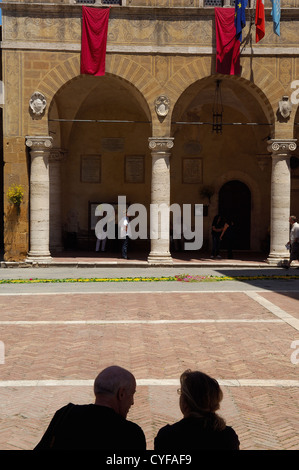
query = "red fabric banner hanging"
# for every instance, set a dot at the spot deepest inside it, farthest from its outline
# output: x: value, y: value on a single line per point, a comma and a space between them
x: 227, y: 45
x: 94, y: 40
x: 259, y: 20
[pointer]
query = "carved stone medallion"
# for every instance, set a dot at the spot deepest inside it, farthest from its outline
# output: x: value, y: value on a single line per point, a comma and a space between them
x: 162, y: 105
x: 37, y: 104
x: 285, y: 107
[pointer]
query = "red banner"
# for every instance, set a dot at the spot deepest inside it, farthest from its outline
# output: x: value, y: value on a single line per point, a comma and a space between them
x: 259, y: 20
x: 227, y: 45
x: 94, y: 40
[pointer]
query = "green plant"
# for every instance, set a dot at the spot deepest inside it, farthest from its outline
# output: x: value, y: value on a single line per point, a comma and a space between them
x: 15, y: 194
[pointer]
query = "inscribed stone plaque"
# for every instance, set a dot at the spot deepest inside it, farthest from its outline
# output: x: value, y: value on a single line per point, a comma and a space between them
x: 192, y: 170
x: 134, y: 169
x: 90, y: 168
x: 112, y: 144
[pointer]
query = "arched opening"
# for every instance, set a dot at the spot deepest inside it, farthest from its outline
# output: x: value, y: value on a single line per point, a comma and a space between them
x: 234, y: 204
x: 101, y: 125
x: 202, y: 157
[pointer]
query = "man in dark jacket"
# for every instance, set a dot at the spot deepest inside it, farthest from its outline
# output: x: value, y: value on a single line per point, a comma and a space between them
x: 99, y: 426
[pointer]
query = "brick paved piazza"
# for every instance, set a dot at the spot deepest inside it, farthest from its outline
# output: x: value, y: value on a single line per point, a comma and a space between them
x: 57, y: 341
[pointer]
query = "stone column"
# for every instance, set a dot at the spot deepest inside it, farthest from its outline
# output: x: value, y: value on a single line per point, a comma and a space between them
x: 39, y: 198
x: 56, y: 156
x: 280, y: 198
x: 160, y: 200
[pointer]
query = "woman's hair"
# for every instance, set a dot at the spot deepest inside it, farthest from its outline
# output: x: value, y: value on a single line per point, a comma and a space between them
x: 202, y: 395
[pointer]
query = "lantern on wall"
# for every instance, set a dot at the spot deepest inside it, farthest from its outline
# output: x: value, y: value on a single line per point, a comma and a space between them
x: 217, y: 109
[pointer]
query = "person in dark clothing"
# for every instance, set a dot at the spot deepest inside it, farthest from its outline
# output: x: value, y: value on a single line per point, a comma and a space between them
x: 228, y: 236
x: 201, y: 428
x: 99, y: 426
x: 217, y: 227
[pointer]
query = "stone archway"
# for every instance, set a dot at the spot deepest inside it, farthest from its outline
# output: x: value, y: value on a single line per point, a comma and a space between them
x: 104, y: 132
x: 239, y: 152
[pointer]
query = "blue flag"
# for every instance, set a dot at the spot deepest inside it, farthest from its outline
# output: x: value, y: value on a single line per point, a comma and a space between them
x: 276, y: 16
x: 240, y: 20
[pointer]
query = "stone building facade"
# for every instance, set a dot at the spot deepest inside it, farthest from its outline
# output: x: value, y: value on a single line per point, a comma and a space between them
x: 145, y: 129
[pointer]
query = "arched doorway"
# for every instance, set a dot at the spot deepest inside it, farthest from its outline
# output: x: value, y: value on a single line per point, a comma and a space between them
x: 235, y: 204
x: 104, y: 133
x: 205, y: 160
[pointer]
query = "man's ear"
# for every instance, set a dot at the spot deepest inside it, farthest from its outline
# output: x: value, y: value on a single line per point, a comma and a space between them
x: 120, y: 393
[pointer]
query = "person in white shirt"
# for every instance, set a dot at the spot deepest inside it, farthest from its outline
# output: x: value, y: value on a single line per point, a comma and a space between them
x: 293, y: 242
x: 125, y: 233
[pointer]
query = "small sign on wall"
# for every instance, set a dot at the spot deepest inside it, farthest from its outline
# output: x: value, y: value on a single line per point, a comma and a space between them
x: 90, y: 168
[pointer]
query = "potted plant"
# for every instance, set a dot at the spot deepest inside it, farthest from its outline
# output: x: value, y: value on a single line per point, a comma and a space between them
x: 15, y: 195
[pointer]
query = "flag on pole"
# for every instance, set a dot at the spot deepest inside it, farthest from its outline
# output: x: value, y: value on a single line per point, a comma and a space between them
x: 227, y: 44
x: 275, y: 12
x: 259, y: 20
x: 240, y: 19
x: 94, y: 40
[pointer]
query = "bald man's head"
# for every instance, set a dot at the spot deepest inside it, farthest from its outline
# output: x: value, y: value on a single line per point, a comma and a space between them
x: 115, y: 387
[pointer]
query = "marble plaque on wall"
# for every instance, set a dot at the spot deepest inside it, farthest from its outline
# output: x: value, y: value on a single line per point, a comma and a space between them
x: 113, y: 144
x: 90, y: 168
x: 134, y: 169
x: 192, y: 170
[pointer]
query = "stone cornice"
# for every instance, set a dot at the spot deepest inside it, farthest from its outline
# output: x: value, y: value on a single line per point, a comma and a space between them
x: 148, y: 12
x: 123, y: 49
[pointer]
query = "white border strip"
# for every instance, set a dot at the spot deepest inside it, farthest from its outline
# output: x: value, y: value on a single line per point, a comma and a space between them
x: 130, y: 322
x: 128, y: 292
x: 149, y: 383
x: 277, y: 311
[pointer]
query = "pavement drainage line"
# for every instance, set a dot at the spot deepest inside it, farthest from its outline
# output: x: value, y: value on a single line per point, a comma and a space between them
x: 149, y: 382
x: 277, y: 311
x: 129, y: 322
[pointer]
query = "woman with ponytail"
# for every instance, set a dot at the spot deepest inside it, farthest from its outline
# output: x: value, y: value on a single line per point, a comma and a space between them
x: 201, y: 427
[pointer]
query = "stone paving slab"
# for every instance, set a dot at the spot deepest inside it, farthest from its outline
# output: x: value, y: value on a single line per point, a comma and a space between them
x: 264, y: 418
x: 254, y: 345
x: 131, y: 306
x: 230, y: 351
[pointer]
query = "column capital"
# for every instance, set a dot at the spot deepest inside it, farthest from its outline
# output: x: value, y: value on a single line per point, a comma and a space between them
x: 282, y: 146
x: 38, y: 142
x: 161, y: 144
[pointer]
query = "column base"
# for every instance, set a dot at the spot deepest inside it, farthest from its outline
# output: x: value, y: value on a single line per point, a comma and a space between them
x: 159, y: 258
x: 35, y: 257
x: 278, y: 259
